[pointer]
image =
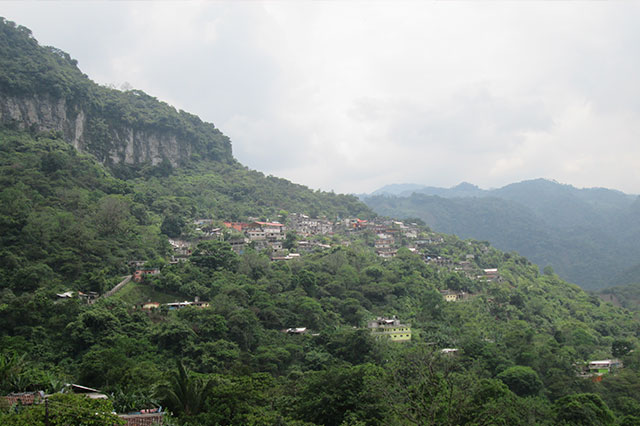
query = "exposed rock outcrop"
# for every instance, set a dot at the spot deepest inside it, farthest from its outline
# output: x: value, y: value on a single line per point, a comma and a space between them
x: 111, y: 143
x: 42, y: 113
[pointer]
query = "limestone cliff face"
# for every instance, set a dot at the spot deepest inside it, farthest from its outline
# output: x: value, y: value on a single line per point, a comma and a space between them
x: 43, y: 113
x: 111, y: 143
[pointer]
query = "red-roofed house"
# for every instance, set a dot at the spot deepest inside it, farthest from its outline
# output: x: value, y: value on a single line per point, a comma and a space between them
x: 238, y: 226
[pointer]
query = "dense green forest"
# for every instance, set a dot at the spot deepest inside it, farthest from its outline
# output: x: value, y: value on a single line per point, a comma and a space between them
x: 516, y: 347
x: 589, y: 236
x: 627, y: 296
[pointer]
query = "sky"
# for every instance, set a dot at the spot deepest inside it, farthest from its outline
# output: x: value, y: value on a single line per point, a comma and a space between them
x: 352, y: 96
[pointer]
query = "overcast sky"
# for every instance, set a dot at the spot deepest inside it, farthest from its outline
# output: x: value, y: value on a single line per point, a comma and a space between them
x: 351, y: 96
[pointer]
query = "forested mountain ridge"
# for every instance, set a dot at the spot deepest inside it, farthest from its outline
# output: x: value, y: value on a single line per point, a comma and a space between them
x: 589, y: 236
x: 278, y: 342
x: 42, y: 89
x: 67, y: 216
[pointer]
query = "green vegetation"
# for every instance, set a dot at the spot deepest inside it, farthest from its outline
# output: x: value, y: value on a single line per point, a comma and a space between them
x: 519, y: 341
x: 589, y: 236
x: 65, y: 410
x: 134, y: 294
x: 68, y: 222
x: 627, y: 296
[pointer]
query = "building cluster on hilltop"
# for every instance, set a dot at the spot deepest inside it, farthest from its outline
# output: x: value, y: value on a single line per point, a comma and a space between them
x: 390, y: 235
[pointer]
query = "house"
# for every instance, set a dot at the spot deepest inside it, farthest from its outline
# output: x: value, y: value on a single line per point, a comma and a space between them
x: 197, y: 303
x: 390, y: 328
x: 23, y: 398
x: 143, y: 419
x: 452, y: 296
x: 384, y: 242
x: 387, y: 253
x: 65, y: 295
x: 605, y: 366
x: 238, y: 244
x: 311, y: 246
x: 238, y: 226
x: 287, y: 257
x: 439, y: 261
x: 265, y: 230
x: 304, y: 225
x: 181, y: 248
x: 449, y: 296
x: 89, y: 297
x: 151, y: 305
x: 140, y: 274
x: 465, y: 266
x: 211, y: 234
x: 298, y: 330
x: 490, y: 274
x: 179, y: 305
x: 203, y: 222
x: 355, y: 224
x: 83, y: 390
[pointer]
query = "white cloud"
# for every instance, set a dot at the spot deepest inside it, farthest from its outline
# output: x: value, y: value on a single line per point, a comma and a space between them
x: 352, y: 95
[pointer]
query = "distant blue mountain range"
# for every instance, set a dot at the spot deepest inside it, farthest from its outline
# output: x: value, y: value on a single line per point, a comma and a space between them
x: 589, y: 236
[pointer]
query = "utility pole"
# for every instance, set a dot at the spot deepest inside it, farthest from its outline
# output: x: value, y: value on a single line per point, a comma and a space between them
x: 46, y: 411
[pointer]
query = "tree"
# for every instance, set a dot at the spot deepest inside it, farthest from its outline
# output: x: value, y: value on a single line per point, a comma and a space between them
x: 184, y: 394
x: 523, y: 381
x: 621, y: 347
x: 216, y: 255
x: 586, y: 409
x: 336, y: 394
x: 65, y: 409
x: 291, y: 240
x: 10, y: 368
x: 172, y: 226
x: 113, y: 216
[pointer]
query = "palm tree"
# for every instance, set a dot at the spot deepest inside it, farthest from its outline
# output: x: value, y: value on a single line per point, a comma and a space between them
x: 10, y: 368
x: 184, y: 394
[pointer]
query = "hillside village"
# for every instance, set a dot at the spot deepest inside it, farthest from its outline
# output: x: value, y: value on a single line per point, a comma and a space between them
x: 145, y: 271
x: 302, y: 235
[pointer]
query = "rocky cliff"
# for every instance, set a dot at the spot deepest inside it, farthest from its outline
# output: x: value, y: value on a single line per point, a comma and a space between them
x: 42, y: 89
x: 111, y: 143
x: 43, y: 113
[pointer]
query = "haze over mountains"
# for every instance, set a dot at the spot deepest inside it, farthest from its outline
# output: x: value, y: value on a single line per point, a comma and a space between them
x: 589, y: 236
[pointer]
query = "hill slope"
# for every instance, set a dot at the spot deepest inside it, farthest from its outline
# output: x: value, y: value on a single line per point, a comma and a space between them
x: 506, y: 353
x: 88, y: 175
x: 589, y: 236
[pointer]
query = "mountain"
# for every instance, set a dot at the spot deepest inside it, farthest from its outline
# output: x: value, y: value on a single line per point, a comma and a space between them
x: 396, y: 189
x: 41, y: 88
x: 337, y: 336
x: 589, y: 236
x: 91, y: 177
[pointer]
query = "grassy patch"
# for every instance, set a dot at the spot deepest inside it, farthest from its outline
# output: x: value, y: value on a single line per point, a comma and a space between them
x: 136, y: 293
